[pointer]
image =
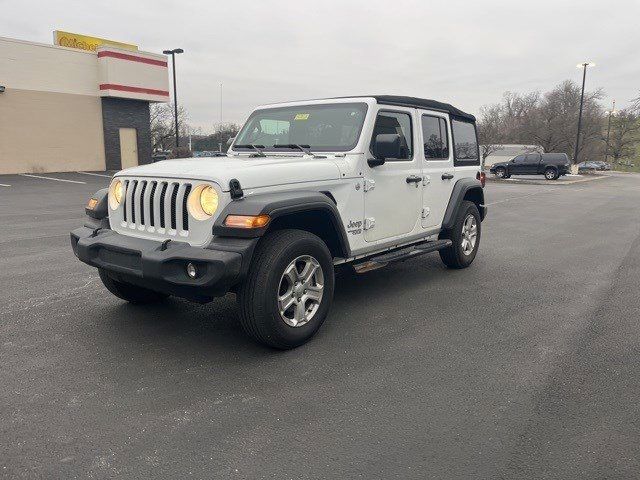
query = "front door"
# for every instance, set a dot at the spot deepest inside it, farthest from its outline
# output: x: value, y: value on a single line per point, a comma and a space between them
x: 516, y: 166
x: 531, y: 162
x: 439, y: 174
x: 128, y: 147
x: 392, y: 207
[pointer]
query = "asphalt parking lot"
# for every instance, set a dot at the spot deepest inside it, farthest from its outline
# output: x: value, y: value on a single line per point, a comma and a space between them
x: 523, y: 366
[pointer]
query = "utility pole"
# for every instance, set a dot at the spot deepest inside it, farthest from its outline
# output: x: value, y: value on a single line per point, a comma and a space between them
x: 610, y: 113
x: 221, y: 87
x: 584, y: 78
x: 175, y: 90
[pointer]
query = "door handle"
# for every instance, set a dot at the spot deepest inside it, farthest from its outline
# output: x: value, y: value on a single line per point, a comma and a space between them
x: 414, y: 179
x: 447, y: 176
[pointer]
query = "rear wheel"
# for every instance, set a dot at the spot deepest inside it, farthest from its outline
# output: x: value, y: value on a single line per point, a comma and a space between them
x: 551, y: 174
x: 289, y: 289
x: 465, y: 235
x: 130, y: 293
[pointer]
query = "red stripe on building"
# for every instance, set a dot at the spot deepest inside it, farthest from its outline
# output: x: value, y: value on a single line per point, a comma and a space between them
x: 132, y: 58
x: 126, y: 88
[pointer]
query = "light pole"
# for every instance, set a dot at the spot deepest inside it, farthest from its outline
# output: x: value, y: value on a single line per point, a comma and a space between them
x: 584, y: 78
x: 610, y: 113
x: 175, y: 91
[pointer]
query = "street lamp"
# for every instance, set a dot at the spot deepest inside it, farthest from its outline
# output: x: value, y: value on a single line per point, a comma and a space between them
x: 584, y: 78
x: 175, y: 92
x: 610, y: 113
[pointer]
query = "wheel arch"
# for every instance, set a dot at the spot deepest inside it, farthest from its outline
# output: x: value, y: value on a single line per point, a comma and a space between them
x: 312, y: 211
x: 465, y: 189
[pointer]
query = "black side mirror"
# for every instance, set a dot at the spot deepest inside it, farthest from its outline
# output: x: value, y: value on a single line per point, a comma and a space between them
x: 387, y: 145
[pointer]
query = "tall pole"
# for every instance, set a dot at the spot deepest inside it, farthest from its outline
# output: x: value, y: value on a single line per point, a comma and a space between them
x: 606, y: 152
x: 175, y: 91
x: 584, y: 78
x: 175, y: 99
x: 221, y: 86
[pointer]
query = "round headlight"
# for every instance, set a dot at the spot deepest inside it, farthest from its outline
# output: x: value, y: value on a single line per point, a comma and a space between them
x: 116, y: 192
x: 202, y: 202
x: 209, y: 200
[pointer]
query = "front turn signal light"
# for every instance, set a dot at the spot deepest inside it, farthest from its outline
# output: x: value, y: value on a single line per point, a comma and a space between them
x: 246, y: 221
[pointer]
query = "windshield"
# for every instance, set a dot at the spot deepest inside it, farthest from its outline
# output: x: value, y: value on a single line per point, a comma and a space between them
x: 324, y: 128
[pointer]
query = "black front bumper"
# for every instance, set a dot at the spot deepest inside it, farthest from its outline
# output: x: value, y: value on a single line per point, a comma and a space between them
x: 149, y: 264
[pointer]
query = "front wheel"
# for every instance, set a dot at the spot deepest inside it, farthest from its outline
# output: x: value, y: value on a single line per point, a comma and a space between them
x: 501, y: 172
x: 465, y: 237
x: 289, y: 289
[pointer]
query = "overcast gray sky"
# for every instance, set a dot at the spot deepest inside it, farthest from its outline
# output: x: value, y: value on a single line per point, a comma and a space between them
x: 463, y: 52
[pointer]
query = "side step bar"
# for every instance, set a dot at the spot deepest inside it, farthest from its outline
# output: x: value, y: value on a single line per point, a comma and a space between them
x: 400, y: 255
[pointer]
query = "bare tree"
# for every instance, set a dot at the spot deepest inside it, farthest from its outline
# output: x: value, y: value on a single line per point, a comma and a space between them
x: 490, y: 130
x: 548, y: 119
x: 163, y: 125
x: 624, y: 137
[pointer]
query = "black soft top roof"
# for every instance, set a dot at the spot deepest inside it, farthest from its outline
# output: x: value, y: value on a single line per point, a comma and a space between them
x: 423, y: 103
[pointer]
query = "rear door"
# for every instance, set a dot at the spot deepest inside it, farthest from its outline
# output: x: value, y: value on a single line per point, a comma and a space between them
x: 393, y: 195
x: 437, y: 166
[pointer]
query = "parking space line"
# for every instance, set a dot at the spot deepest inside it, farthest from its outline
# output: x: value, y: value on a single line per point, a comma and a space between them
x: 52, y: 178
x: 95, y: 174
x: 517, y: 198
x: 4, y: 185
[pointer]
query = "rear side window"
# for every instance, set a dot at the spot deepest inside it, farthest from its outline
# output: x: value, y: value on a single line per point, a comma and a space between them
x: 395, y: 123
x: 435, y: 138
x: 465, y: 143
x: 533, y: 157
x: 555, y: 157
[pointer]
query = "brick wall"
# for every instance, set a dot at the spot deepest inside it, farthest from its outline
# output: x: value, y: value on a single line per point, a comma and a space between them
x: 122, y: 113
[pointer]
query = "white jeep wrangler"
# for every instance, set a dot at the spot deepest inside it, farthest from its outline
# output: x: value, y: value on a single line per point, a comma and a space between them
x: 305, y: 187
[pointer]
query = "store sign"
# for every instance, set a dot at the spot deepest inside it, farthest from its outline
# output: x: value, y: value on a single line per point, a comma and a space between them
x: 85, y: 42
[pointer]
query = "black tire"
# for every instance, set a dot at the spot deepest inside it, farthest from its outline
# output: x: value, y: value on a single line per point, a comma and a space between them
x: 454, y: 256
x: 130, y: 293
x: 507, y: 176
x: 258, y: 295
x: 501, y: 172
x: 551, y: 174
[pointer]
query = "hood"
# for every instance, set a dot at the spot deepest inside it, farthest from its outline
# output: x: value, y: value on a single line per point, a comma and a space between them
x: 252, y: 172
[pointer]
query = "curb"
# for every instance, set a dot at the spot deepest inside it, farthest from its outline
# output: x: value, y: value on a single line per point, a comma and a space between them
x: 548, y: 183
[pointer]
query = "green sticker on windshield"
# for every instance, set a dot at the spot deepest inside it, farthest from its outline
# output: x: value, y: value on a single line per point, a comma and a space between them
x: 302, y: 116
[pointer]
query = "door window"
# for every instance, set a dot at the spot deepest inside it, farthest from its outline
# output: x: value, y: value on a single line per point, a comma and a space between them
x: 395, y: 123
x: 519, y: 159
x: 435, y: 138
x: 533, y: 158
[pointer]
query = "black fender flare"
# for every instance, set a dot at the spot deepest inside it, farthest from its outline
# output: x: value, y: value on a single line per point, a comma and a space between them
x: 278, y: 205
x: 101, y: 210
x: 460, y: 190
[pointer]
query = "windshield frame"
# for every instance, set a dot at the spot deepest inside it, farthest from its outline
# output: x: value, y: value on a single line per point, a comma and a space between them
x: 281, y: 150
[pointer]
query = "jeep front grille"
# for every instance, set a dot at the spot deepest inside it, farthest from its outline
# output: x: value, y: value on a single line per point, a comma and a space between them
x: 156, y: 206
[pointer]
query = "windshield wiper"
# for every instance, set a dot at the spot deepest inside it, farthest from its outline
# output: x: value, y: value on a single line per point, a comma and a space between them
x: 302, y: 148
x: 257, y: 148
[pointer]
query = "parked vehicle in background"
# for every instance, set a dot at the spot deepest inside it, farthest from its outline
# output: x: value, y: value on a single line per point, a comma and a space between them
x: 158, y: 157
x: 602, y: 165
x: 306, y: 186
x: 587, y: 166
x: 551, y: 165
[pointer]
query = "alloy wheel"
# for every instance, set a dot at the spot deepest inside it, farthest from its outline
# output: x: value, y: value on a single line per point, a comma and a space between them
x: 469, y: 234
x: 300, y: 291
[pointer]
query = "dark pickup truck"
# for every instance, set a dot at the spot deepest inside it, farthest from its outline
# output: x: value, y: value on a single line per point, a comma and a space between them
x: 551, y: 165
